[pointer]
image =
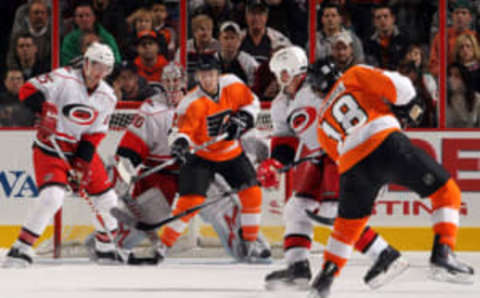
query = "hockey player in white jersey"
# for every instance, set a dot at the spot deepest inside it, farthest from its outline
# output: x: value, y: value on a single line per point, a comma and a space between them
x: 316, y: 183
x: 73, y: 108
x: 145, y: 143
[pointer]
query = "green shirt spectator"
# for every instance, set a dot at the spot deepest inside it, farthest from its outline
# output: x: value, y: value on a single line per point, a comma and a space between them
x: 85, y: 21
x: 71, y: 46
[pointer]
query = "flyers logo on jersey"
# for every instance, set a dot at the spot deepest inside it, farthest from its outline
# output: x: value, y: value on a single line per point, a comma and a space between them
x: 80, y: 114
x: 302, y: 118
x: 216, y: 122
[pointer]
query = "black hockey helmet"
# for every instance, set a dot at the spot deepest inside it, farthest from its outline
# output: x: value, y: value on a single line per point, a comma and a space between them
x: 208, y: 62
x: 322, y: 75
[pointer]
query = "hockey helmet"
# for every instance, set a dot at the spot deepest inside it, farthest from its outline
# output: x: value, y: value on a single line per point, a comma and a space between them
x: 290, y: 61
x: 208, y: 62
x: 322, y: 75
x: 100, y: 53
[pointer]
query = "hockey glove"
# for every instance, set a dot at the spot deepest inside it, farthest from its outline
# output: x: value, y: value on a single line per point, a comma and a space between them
x: 411, y: 114
x: 238, y: 123
x: 80, y: 175
x: 46, y: 123
x: 180, y: 150
x: 267, y: 173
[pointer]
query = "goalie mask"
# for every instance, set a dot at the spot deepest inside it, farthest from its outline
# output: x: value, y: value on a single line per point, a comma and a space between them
x: 288, y: 63
x: 174, y: 82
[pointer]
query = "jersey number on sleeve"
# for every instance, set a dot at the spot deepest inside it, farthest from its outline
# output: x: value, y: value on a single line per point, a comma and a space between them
x: 348, y: 114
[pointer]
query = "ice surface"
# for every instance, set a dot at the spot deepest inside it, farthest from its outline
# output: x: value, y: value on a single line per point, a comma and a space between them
x: 212, y: 278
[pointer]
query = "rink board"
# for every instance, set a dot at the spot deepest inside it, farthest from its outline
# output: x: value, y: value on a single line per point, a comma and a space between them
x: 399, y: 215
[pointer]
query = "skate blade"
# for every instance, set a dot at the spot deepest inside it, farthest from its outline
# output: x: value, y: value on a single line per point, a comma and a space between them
x: 15, y: 263
x: 396, y: 268
x: 443, y: 275
x: 299, y: 284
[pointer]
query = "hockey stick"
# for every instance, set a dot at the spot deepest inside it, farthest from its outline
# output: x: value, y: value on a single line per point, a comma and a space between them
x: 127, y: 219
x: 320, y: 219
x: 301, y: 160
x: 84, y: 196
x: 171, y: 161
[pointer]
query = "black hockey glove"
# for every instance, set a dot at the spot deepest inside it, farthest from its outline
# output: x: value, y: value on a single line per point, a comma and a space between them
x: 411, y: 114
x: 238, y: 123
x: 180, y: 150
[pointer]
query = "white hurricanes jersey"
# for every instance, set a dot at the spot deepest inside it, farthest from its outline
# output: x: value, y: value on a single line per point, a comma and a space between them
x: 152, y: 126
x: 79, y: 112
x: 297, y: 117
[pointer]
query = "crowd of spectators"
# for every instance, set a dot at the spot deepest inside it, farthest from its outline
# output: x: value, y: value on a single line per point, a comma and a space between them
x: 400, y: 35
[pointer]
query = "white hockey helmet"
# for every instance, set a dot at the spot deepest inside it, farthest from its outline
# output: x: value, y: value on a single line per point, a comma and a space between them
x: 291, y: 61
x: 100, y: 53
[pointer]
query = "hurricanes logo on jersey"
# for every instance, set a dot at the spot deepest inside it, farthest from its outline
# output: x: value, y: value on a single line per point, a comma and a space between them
x: 80, y: 114
x: 216, y: 122
x: 301, y: 119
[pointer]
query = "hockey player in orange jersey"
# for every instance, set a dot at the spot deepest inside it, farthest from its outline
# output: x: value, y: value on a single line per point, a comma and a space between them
x: 218, y: 105
x: 359, y: 127
x: 316, y: 184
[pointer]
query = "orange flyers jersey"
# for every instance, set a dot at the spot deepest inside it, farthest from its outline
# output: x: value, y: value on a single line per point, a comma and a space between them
x: 201, y: 118
x: 355, y: 117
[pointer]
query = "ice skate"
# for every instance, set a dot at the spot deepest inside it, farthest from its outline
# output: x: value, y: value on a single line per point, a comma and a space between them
x: 295, y: 277
x: 444, y: 265
x: 253, y: 251
x: 389, y: 265
x: 323, y: 282
x: 19, y: 257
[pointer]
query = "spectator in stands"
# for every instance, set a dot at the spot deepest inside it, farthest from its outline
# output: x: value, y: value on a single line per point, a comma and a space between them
x: 85, y: 21
x: 451, y: 4
x: 461, y: 22
x: 149, y: 62
x: 331, y: 27
x: 388, y: 45
x: 38, y: 26
x: 415, y: 17
x: 463, y: 103
x: 12, y: 111
x: 467, y: 53
x: 415, y: 66
x: 202, y: 43
x: 259, y: 40
x: 219, y: 11
x: 142, y: 20
x: 160, y: 16
x: 111, y: 14
x: 26, y: 57
x: 343, y: 54
x: 361, y: 16
x: 231, y: 59
x: 290, y: 18
x: 128, y: 85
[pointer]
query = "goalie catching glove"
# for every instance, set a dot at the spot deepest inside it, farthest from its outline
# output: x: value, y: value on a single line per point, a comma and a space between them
x: 411, y: 114
x: 46, y: 123
x: 238, y: 124
x: 267, y: 173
